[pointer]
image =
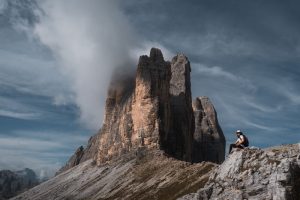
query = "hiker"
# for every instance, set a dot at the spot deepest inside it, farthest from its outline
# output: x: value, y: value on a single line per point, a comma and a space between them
x: 241, y: 142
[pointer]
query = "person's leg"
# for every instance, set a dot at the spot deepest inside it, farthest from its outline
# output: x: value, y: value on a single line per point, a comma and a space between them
x: 235, y: 146
x: 231, y: 146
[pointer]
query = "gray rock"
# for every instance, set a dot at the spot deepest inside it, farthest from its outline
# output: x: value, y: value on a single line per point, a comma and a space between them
x: 180, y: 136
x: 256, y: 174
x: 138, y: 116
x: 209, y: 141
x: 153, y: 176
x: 13, y: 183
x: 74, y: 160
x: 82, y: 154
x: 153, y: 109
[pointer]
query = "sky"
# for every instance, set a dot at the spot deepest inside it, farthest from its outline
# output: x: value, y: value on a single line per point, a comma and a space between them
x: 57, y: 58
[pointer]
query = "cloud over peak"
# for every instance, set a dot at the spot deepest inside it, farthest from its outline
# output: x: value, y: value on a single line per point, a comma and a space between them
x: 90, y: 39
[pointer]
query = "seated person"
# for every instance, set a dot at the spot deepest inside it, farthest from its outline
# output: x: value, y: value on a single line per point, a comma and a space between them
x: 241, y: 142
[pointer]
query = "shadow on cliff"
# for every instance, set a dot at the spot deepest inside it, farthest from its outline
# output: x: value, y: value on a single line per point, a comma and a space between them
x: 122, y: 85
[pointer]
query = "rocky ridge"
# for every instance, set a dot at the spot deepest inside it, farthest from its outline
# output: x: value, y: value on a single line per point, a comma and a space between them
x: 269, y: 174
x: 147, y: 175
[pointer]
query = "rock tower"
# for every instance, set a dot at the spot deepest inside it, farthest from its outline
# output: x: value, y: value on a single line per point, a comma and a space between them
x: 154, y: 110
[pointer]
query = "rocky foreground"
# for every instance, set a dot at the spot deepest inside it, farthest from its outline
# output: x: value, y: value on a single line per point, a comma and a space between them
x: 269, y: 174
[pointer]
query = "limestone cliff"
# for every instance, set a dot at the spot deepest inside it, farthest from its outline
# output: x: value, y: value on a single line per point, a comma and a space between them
x: 138, y: 117
x: 180, y: 136
x: 153, y: 110
x: 209, y: 141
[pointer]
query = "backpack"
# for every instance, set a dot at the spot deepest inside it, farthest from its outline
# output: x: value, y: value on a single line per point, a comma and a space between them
x: 246, y: 141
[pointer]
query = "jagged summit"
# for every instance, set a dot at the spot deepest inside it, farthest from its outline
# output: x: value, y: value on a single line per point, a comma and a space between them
x: 154, y: 110
x: 156, y: 55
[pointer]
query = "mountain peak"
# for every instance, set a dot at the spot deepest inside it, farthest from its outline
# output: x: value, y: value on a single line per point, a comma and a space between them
x: 156, y: 55
x: 155, y: 113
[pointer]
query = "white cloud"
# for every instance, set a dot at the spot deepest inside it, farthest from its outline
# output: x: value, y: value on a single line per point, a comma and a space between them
x: 3, y: 5
x: 30, y: 144
x: 18, y: 115
x: 19, y: 70
x: 283, y: 86
x: 40, y: 151
x: 259, y: 126
x: 52, y: 136
x: 62, y: 99
x: 219, y: 72
x: 250, y: 101
x: 10, y: 107
x: 293, y: 96
x: 17, y: 161
x: 237, y: 115
x: 90, y: 39
x: 20, y: 152
x: 215, y: 71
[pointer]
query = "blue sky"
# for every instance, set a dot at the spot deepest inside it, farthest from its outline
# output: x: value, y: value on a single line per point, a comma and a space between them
x: 56, y: 59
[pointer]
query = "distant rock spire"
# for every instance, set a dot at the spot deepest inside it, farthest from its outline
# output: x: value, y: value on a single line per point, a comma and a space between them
x: 209, y: 141
x: 180, y: 137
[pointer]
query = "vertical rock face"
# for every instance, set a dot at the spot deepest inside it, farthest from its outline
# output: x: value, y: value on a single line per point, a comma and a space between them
x: 115, y: 135
x: 154, y: 110
x: 151, y: 105
x: 140, y: 116
x: 209, y: 141
x: 180, y: 138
